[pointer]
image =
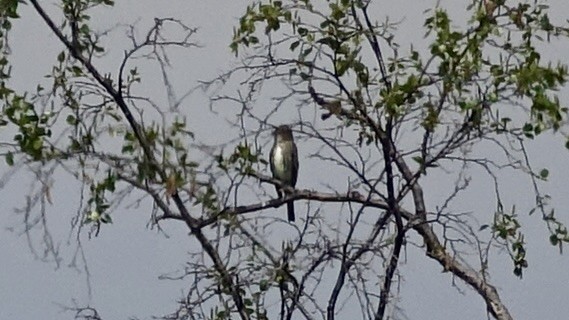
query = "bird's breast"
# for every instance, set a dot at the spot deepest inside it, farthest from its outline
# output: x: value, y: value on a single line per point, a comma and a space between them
x: 278, y: 156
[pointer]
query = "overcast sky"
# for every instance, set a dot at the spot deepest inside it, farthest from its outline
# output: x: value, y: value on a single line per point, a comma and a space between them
x: 126, y: 260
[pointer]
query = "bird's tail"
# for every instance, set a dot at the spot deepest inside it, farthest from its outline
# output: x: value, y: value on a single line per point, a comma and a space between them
x: 290, y: 211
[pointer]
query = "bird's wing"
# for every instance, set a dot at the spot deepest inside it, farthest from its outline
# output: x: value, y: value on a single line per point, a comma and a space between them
x: 294, y: 161
x: 271, y: 159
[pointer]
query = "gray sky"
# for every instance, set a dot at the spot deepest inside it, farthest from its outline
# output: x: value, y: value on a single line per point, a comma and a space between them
x: 127, y: 258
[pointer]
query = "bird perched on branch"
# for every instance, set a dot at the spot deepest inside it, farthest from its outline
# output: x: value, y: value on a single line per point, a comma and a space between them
x: 284, y: 163
x: 334, y: 107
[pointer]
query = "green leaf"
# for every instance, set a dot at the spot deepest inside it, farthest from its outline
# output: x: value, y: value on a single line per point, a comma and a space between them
x: 71, y: 120
x: 37, y: 144
x: 544, y: 173
x: 76, y: 71
x: 264, y: 285
x: 418, y: 159
x: 10, y: 158
x: 305, y: 53
x: 528, y: 130
x: 294, y: 45
x: 553, y: 239
x: 306, y: 76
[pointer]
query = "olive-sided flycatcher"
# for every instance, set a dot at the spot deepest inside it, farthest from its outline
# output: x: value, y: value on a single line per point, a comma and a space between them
x: 284, y: 163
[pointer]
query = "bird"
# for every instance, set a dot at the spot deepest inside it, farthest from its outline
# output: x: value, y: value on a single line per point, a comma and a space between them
x: 284, y: 163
